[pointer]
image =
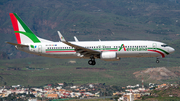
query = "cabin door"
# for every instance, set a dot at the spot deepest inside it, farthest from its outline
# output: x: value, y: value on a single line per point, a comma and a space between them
x: 40, y: 48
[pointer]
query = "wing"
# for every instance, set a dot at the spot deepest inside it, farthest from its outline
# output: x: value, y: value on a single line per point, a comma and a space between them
x: 79, y: 49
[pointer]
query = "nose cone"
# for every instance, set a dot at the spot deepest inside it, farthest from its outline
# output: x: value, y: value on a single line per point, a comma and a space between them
x: 171, y: 50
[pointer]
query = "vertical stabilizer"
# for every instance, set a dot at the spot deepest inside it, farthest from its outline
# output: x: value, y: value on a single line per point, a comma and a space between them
x: 22, y: 32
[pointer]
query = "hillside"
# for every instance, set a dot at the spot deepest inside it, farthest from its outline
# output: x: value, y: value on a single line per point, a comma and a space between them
x: 88, y: 20
x: 169, y: 92
x: 92, y: 20
x: 156, y: 74
x: 39, y: 71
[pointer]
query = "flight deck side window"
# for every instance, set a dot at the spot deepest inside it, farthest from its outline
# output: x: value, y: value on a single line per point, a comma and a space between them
x: 164, y: 45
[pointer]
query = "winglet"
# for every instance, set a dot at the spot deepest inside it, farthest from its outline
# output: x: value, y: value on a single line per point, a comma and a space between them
x: 61, y: 37
x: 76, y: 39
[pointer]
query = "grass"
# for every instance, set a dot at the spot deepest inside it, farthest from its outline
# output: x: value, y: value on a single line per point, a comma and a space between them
x: 59, y: 70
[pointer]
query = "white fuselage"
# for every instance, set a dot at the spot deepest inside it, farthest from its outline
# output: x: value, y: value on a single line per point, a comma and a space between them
x: 122, y: 48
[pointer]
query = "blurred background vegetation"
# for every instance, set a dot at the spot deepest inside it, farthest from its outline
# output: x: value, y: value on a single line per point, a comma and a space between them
x: 89, y: 20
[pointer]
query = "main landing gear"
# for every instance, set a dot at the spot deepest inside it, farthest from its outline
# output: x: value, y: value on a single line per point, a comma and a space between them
x: 92, y: 61
x: 157, y: 60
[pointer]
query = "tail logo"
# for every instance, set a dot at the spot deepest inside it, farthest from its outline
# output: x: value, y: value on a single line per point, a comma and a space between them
x: 22, y: 32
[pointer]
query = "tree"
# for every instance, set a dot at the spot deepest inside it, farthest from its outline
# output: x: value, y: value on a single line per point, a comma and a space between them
x: 5, y: 83
x: 65, y: 84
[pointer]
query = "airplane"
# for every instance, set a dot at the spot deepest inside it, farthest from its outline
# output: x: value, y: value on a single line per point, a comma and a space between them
x: 28, y: 42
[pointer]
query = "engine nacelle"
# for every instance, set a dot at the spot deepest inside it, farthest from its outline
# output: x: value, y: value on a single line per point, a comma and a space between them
x: 109, y: 56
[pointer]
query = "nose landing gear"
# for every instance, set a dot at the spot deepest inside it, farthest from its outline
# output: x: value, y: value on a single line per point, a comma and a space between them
x: 157, y: 60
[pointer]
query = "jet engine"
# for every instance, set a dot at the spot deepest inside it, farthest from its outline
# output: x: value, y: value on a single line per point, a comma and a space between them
x: 109, y: 56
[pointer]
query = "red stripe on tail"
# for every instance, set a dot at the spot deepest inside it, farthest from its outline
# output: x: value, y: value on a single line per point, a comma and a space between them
x: 15, y: 26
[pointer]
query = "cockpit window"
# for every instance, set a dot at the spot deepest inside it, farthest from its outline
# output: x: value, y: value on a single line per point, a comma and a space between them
x: 164, y: 45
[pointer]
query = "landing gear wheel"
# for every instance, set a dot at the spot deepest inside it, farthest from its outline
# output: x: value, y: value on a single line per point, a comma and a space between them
x: 157, y: 61
x: 90, y: 62
x: 93, y: 62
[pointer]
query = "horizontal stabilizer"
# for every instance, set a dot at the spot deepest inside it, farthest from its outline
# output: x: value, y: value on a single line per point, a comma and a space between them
x: 15, y: 44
